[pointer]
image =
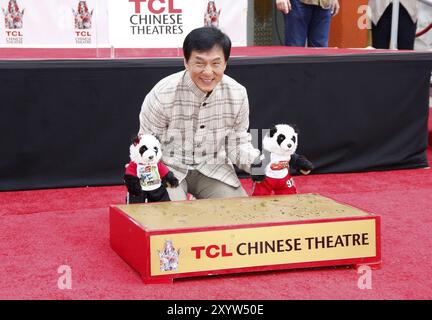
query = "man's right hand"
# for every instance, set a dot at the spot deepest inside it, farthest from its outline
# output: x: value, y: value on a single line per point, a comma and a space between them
x: 283, y: 5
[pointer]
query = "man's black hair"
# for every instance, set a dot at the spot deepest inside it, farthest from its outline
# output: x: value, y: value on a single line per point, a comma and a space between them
x: 205, y: 38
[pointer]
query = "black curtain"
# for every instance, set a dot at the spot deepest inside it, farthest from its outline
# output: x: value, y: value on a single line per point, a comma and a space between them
x: 69, y: 123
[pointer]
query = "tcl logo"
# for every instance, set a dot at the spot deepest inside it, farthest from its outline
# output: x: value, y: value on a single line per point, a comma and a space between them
x: 14, y: 34
x: 82, y: 34
x: 156, y: 6
x: 212, y: 251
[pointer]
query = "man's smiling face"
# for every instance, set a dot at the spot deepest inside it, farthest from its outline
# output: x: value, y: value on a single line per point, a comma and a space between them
x: 206, y: 68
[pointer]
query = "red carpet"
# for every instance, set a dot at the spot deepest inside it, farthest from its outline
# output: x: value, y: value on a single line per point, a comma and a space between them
x: 41, y: 230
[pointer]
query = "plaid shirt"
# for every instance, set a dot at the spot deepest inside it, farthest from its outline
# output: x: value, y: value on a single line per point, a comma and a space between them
x: 200, y: 131
x: 325, y: 4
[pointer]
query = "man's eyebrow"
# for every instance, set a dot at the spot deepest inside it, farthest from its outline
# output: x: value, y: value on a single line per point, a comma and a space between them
x: 202, y: 59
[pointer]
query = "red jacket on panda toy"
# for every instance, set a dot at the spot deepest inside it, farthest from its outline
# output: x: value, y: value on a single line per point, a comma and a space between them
x: 281, y: 141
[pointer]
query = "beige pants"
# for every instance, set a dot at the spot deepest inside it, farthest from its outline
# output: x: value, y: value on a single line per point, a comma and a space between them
x: 202, y: 187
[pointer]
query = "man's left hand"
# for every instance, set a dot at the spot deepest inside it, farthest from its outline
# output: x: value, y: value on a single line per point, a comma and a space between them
x: 335, y: 8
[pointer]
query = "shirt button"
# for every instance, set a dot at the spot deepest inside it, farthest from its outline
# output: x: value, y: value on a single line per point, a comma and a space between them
x: 204, y: 104
x: 202, y: 126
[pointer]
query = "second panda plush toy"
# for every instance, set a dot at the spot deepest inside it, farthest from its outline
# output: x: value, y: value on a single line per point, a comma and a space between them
x: 146, y: 177
x: 281, y: 142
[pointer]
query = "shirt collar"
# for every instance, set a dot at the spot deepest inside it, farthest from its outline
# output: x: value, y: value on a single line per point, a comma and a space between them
x: 193, y: 87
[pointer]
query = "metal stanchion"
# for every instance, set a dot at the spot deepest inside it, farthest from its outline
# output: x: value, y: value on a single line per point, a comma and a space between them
x: 395, y: 25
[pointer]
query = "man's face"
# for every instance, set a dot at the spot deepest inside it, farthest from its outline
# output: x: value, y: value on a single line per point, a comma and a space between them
x: 206, y: 68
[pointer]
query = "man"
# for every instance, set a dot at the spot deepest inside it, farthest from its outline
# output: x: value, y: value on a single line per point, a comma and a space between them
x: 307, y: 20
x: 381, y: 17
x: 201, y: 117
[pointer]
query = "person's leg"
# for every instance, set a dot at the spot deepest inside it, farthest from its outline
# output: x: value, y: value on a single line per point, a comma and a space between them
x: 296, y: 25
x: 319, y: 27
x: 179, y: 193
x: 381, y: 32
x: 407, y: 30
x: 203, y: 187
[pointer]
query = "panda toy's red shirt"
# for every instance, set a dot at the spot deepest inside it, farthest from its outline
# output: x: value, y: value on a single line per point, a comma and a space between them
x: 150, y: 175
x: 278, y: 179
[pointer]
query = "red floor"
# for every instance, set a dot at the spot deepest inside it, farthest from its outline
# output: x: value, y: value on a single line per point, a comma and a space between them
x: 41, y: 230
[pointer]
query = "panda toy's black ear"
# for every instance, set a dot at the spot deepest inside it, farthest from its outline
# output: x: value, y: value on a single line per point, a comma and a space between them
x: 135, y: 139
x: 272, y: 132
x: 296, y: 129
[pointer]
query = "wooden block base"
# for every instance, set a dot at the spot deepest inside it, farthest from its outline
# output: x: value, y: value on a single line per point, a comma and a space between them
x: 169, y: 240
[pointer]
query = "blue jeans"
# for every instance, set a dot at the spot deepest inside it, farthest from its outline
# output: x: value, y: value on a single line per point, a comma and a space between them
x: 307, y: 22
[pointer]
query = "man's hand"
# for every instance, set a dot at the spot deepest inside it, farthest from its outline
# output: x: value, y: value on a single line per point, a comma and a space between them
x: 284, y: 6
x: 248, y: 155
x: 335, y: 8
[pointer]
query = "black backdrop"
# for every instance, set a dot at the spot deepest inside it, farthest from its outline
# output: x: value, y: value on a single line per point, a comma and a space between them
x: 69, y: 123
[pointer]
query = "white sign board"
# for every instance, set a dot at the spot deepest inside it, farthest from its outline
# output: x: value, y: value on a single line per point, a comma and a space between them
x: 165, y: 23
x: 117, y: 23
x: 53, y: 23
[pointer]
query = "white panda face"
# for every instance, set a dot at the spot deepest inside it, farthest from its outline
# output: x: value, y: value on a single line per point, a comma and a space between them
x: 147, y: 151
x: 281, y: 140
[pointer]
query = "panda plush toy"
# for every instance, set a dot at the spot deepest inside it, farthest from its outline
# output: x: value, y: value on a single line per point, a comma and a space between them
x: 281, y: 144
x: 146, y: 177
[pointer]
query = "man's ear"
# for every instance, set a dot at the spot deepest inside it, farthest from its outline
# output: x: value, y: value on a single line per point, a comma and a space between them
x: 185, y: 64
